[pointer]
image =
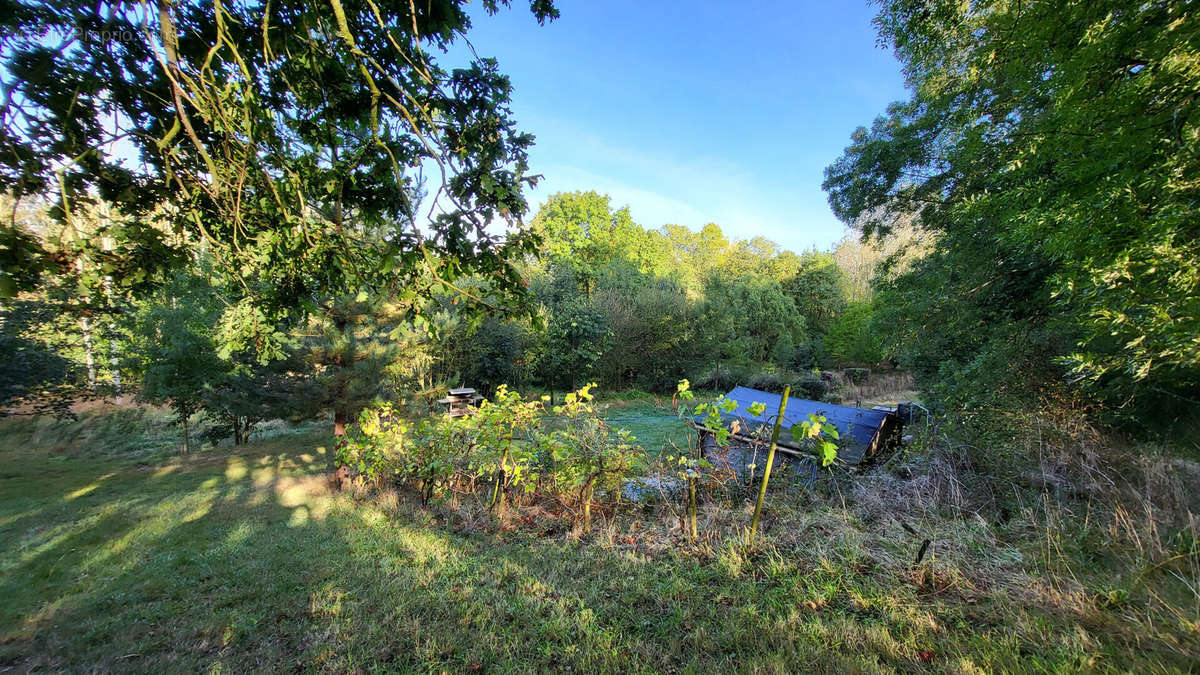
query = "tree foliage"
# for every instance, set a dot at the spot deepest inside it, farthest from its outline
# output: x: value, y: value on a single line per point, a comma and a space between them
x: 292, y: 138
x: 1050, y: 146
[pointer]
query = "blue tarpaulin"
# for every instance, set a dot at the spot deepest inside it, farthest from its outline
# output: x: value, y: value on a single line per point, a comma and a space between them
x: 857, y: 426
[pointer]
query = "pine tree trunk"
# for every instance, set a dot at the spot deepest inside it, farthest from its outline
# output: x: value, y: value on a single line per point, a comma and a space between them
x: 187, y: 443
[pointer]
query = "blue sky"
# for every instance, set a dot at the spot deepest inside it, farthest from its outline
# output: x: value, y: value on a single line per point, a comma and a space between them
x: 696, y: 112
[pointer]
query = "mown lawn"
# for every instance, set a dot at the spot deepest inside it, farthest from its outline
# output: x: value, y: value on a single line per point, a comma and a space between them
x: 653, y: 423
x: 242, y: 561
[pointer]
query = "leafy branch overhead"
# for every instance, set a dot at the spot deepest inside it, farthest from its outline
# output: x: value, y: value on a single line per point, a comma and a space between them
x: 293, y: 140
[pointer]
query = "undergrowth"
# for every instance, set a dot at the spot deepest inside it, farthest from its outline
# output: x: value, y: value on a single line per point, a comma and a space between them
x: 1083, y: 557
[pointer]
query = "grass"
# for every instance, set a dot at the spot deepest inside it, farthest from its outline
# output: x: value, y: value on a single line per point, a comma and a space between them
x: 652, y: 422
x: 244, y: 561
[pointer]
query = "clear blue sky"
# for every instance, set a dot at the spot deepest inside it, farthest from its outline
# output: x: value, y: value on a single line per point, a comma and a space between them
x: 696, y: 112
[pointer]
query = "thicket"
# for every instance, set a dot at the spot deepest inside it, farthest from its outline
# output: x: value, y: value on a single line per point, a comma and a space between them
x: 1047, y: 150
x: 525, y: 452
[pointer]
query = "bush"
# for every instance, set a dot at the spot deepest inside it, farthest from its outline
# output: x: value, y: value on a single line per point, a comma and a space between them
x: 502, y: 445
x: 857, y: 375
x: 373, y: 451
x: 810, y: 354
x: 772, y: 381
x: 812, y: 387
x: 586, y: 452
x: 720, y: 378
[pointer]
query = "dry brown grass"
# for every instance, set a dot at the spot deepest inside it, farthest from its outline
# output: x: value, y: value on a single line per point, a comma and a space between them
x: 880, y: 388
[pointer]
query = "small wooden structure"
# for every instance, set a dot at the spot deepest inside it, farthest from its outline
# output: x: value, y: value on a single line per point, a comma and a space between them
x: 461, y: 401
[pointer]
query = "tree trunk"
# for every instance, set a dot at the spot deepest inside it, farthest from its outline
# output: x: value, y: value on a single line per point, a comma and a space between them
x: 114, y: 362
x: 340, y: 417
x: 85, y: 327
x: 187, y: 443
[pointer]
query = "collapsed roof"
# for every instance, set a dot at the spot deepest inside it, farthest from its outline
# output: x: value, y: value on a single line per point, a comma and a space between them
x: 864, y: 433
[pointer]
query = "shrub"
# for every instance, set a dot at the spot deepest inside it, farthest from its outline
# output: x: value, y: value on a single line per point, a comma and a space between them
x: 770, y: 380
x: 812, y: 387
x: 586, y: 452
x: 441, y: 452
x: 373, y: 450
x: 720, y: 378
x: 857, y: 375
x: 501, y: 421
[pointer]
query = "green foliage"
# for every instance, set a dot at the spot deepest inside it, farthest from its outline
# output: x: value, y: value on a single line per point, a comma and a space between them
x: 744, y: 319
x: 721, y: 377
x: 812, y: 386
x: 598, y: 245
x: 248, y: 392
x: 1045, y: 147
x: 501, y: 421
x: 819, y: 436
x: 819, y: 288
x: 697, y: 472
x: 176, y: 348
x: 290, y: 140
x: 576, y: 338
x: 35, y: 363
x: 505, y: 441
x: 857, y: 375
x: 855, y: 336
x: 585, y: 452
x: 380, y: 445
x: 655, y: 340
x: 806, y: 385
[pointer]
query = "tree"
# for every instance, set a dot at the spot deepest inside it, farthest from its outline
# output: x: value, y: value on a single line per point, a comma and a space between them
x: 863, y: 259
x: 818, y: 288
x: 178, y: 357
x: 581, y: 231
x: 854, y: 336
x: 290, y: 138
x: 34, y: 366
x: 576, y: 338
x: 1044, y: 146
x: 655, y: 337
x: 250, y: 392
x: 352, y: 346
x: 744, y: 319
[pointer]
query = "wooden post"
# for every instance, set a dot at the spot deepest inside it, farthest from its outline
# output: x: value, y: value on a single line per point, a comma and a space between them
x: 762, y: 490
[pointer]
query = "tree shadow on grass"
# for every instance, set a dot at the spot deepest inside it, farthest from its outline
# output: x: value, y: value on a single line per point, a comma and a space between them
x: 246, y: 562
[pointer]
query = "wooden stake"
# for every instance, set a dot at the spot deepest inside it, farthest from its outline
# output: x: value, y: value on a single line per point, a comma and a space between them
x: 762, y: 490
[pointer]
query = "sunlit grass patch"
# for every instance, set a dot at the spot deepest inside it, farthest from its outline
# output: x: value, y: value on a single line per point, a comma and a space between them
x: 246, y: 560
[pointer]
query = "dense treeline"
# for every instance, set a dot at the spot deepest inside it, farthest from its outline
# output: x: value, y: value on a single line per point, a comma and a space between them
x: 632, y: 307
x: 1051, y: 150
x: 1029, y: 214
x: 610, y: 301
